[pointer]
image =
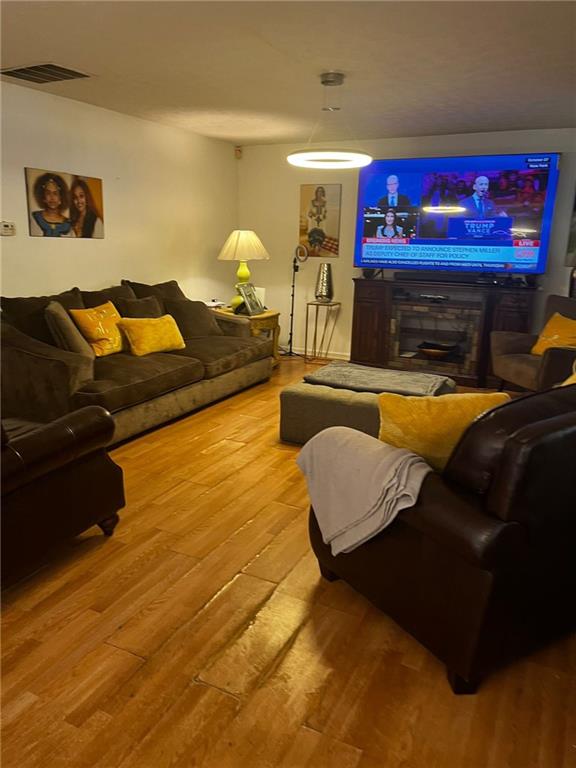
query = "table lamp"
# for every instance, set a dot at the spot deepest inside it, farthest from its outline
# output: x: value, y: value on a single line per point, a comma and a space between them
x: 242, y: 245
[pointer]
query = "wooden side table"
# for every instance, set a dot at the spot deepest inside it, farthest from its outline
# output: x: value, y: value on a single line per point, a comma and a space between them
x: 265, y: 321
x: 321, y: 338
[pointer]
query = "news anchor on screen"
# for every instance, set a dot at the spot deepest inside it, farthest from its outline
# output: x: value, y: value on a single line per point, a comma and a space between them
x: 390, y: 228
x: 393, y: 199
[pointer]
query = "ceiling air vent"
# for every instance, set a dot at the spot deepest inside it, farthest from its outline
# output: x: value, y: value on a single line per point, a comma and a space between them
x: 43, y: 73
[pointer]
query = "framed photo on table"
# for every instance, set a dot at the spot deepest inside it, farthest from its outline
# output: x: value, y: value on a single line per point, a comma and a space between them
x: 253, y: 305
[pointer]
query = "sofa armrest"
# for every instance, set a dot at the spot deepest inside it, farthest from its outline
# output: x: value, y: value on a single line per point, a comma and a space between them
x: 557, y: 364
x: 511, y: 343
x: 457, y: 521
x: 234, y: 325
x: 39, y: 379
x: 54, y: 445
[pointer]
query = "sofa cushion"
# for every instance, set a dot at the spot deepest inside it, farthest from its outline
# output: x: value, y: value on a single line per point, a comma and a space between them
x: 220, y: 354
x: 193, y: 318
x: 113, y: 293
x: 66, y: 334
x: 146, y: 307
x: 99, y: 326
x: 167, y: 290
x: 123, y: 380
x: 151, y: 334
x: 520, y: 367
x: 27, y: 313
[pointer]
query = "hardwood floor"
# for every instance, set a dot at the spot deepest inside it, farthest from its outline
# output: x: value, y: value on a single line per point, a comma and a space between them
x: 201, y: 634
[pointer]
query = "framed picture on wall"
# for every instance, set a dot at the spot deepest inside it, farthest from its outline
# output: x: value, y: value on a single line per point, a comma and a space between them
x: 320, y: 219
x: 64, y: 204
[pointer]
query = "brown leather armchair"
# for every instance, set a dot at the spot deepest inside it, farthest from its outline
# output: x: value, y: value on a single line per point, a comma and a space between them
x: 57, y: 481
x: 512, y: 361
x: 483, y: 567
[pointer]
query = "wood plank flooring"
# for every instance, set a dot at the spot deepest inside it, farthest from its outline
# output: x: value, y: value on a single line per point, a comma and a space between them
x: 201, y: 634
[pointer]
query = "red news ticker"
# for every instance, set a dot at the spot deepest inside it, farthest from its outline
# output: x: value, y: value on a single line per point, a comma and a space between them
x: 526, y: 243
x: 395, y: 240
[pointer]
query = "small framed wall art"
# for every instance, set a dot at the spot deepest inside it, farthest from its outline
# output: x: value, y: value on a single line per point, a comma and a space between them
x: 320, y: 219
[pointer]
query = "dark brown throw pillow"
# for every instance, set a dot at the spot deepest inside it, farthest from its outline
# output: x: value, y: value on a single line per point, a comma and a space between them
x: 27, y: 313
x: 146, y: 307
x: 65, y: 332
x: 168, y: 290
x: 193, y: 318
x: 113, y: 293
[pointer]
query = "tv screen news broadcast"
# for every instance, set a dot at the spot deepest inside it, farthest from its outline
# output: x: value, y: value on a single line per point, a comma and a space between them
x: 486, y: 213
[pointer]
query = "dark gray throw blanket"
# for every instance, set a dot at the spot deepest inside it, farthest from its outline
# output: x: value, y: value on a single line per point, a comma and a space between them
x: 363, y: 378
x: 358, y: 484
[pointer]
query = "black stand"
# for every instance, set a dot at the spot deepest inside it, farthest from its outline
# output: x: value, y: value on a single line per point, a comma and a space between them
x: 300, y: 254
x: 295, y: 268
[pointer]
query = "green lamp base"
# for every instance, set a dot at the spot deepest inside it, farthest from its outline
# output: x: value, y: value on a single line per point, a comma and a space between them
x: 242, y: 276
x: 243, y: 273
x: 236, y: 301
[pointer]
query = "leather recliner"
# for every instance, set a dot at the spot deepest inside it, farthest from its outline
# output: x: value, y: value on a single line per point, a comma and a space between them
x: 57, y: 481
x: 483, y: 567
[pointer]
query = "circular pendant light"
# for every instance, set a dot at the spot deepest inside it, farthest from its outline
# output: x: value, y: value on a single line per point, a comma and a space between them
x: 331, y: 159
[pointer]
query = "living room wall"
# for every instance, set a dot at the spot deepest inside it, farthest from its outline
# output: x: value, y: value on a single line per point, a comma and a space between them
x: 269, y: 191
x: 170, y: 198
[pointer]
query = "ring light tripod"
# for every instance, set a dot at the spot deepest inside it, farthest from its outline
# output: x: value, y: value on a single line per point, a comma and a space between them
x: 300, y: 256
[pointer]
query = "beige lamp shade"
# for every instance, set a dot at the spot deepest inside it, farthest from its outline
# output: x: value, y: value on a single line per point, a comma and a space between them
x: 243, y: 245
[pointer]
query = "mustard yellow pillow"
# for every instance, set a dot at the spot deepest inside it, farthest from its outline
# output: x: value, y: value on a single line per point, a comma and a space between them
x: 431, y: 426
x: 153, y: 334
x: 559, y: 331
x: 99, y: 326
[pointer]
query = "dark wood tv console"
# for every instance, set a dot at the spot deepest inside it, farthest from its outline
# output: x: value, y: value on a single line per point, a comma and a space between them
x: 393, y: 318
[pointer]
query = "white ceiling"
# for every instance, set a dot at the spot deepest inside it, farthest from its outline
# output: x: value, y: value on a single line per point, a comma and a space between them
x: 247, y: 72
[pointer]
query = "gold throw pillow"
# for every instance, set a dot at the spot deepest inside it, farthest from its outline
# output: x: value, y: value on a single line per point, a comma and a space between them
x: 155, y: 334
x: 559, y: 331
x: 99, y: 326
x: 432, y: 426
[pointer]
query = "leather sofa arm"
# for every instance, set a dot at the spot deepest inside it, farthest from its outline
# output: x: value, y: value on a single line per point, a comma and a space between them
x: 457, y: 521
x: 234, y: 325
x: 511, y: 343
x: 556, y: 366
x: 536, y: 467
x: 54, y: 445
x: 39, y: 379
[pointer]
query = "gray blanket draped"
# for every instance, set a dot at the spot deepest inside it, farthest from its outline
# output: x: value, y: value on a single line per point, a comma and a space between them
x: 358, y: 484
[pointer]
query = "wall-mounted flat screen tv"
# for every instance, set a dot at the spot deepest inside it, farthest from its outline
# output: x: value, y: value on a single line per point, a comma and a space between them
x: 486, y: 213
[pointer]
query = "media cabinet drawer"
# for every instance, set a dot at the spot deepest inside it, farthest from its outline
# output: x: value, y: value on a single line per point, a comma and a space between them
x: 514, y: 301
x: 366, y: 291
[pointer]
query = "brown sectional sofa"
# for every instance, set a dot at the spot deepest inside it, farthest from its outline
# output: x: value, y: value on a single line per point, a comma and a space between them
x: 43, y: 381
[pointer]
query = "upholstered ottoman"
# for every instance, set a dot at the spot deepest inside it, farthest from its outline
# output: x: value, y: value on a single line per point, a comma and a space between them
x: 346, y: 395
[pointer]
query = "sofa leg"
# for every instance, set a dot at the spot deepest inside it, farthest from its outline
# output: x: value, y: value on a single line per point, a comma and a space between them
x: 327, y: 573
x: 461, y: 686
x: 107, y: 526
